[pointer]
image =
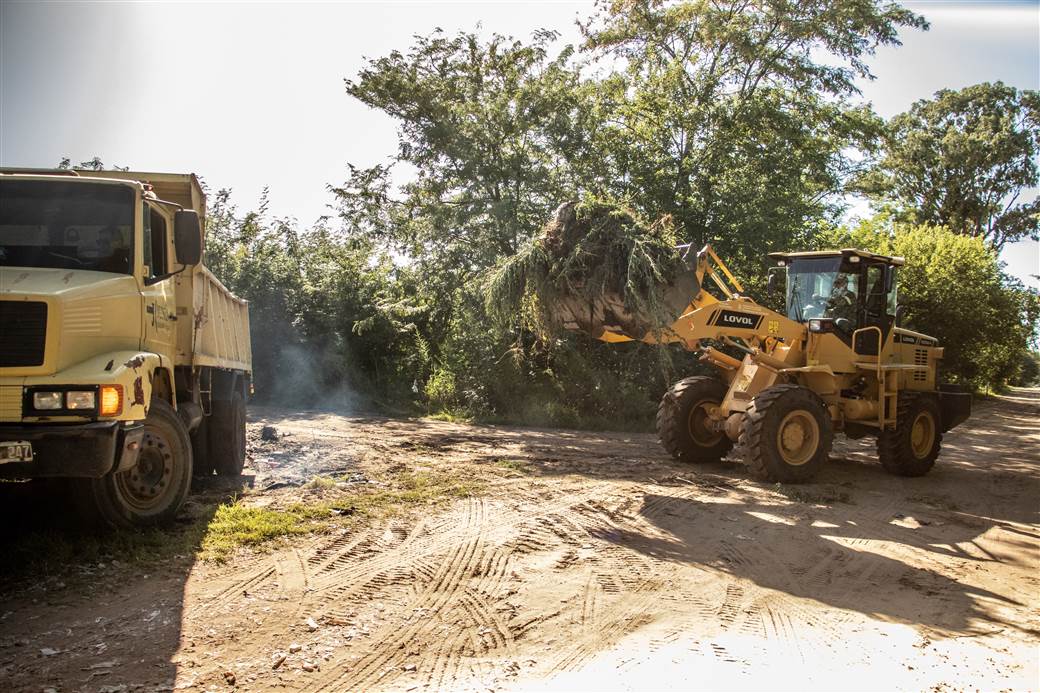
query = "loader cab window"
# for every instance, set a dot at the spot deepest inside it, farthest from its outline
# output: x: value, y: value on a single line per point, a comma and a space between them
x: 823, y: 288
x: 153, y: 237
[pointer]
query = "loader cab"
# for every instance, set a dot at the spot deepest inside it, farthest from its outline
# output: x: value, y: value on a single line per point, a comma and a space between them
x: 842, y: 291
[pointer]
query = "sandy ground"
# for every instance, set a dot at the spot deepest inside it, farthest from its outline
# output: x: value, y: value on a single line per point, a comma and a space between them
x: 588, y: 561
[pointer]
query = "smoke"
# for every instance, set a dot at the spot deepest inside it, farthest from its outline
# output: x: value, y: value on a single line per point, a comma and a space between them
x: 307, y: 377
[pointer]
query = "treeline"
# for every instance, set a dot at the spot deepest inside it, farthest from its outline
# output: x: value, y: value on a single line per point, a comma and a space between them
x: 739, y: 120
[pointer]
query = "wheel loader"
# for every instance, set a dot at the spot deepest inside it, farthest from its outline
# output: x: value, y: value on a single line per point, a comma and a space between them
x: 836, y: 361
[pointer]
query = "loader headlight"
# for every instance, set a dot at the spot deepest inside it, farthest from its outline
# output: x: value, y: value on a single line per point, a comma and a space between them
x: 47, y: 400
x: 821, y: 325
x: 80, y: 399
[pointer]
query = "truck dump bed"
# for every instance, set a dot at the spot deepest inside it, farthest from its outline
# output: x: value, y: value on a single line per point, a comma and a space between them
x: 219, y: 322
x: 212, y: 323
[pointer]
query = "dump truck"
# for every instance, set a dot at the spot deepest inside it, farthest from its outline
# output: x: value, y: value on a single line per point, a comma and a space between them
x: 837, y: 360
x: 125, y: 365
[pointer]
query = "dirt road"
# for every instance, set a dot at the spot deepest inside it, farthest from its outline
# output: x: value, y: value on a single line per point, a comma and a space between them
x: 586, y: 561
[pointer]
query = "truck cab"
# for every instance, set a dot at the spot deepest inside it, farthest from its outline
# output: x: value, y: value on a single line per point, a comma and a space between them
x: 99, y: 376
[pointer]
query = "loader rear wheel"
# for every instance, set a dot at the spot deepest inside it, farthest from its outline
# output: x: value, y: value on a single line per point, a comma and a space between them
x: 682, y: 419
x: 787, y: 434
x: 911, y: 448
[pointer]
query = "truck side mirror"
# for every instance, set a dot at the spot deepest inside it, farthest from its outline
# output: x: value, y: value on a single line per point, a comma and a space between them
x: 898, y: 318
x: 187, y: 237
x: 890, y: 279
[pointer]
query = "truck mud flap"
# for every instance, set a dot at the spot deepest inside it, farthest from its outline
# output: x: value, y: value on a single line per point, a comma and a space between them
x: 954, y: 405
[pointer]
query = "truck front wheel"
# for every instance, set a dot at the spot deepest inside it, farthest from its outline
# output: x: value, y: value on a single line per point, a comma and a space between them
x: 153, y: 490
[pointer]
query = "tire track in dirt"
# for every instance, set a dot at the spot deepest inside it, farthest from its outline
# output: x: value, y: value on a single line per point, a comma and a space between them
x: 447, y: 581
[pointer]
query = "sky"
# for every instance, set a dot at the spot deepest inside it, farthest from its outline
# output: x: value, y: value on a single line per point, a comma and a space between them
x: 249, y: 95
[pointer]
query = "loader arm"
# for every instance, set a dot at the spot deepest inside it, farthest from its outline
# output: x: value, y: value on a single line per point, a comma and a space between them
x: 708, y: 317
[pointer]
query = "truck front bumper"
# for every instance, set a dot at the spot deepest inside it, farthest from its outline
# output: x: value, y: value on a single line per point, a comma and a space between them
x: 73, y: 450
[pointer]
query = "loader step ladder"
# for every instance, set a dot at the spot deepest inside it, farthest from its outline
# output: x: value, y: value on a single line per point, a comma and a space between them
x: 887, y: 379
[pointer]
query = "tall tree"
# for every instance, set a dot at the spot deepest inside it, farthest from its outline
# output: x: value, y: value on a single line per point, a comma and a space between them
x: 733, y: 115
x: 963, y: 159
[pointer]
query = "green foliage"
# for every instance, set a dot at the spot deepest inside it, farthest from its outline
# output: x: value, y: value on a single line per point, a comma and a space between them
x: 591, y: 254
x: 332, y: 319
x: 952, y: 288
x: 962, y: 159
x: 1028, y: 374
x: 733, y: 117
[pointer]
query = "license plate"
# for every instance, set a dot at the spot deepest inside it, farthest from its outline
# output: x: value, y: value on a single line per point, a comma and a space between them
x: 18, y: 451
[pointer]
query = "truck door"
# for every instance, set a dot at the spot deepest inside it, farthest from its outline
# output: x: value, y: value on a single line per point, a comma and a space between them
x: 160, y: 306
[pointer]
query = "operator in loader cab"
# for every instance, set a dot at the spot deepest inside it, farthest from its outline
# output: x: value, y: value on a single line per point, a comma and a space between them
x: 842, y: 303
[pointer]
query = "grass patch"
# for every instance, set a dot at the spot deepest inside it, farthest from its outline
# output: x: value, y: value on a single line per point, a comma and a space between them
x: 812, y: 496
x: 450, y: 416
x: 512, y: 465
x: 235, y: 525
x: 216, y: 530
x: 321, y: 482
x: 54, y: 552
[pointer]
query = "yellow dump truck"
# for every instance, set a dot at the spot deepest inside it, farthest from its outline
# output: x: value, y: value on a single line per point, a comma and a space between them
x: 124, y: 363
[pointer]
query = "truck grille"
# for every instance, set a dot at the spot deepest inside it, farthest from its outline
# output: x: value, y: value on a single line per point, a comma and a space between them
x: 10, y: 402
x: 23, y: 333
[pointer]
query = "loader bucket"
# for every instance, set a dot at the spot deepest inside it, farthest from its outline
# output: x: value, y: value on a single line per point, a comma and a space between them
x: 607, y: 313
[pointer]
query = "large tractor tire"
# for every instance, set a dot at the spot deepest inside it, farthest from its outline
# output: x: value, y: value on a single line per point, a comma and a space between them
x: 152, y: 492
x: 681, y: 419
x: 227, y: 434
x: 911, y: 448
x: 787, y: 434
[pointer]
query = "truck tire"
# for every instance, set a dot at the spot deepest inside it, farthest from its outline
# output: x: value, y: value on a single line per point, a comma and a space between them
x: 787, y: 434
x: 202, y: 464
x: 911, y: 448
x: 681, y: 416
x: 152, y: 492
x: 227, y: 435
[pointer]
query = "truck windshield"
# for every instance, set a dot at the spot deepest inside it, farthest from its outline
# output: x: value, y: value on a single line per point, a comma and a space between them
x: 820, y: 288
x: 66, y: 225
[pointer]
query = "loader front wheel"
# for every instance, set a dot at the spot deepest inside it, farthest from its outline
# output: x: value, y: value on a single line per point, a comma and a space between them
x: 682, y: 420
x: 787, y: 434
x: 911, y: 449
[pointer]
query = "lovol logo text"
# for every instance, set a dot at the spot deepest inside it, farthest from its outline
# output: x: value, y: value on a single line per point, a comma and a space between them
x: 729, y: 318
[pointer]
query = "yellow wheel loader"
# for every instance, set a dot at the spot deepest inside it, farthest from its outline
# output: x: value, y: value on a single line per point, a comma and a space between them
x: 835, y: 362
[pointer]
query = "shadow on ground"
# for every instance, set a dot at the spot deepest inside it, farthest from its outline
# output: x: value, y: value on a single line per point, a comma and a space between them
x: 113, y: 599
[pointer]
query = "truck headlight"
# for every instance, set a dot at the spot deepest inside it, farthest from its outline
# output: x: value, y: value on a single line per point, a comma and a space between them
x: 47, y: 400
x: 80, y: 399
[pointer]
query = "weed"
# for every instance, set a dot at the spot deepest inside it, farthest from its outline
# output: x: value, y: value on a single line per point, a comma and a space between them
x: 512, y: 465
x: 321, y: 482
x: 823, y: 496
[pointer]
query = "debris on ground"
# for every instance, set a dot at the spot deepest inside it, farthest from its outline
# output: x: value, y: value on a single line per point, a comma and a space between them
x: 269, y: 433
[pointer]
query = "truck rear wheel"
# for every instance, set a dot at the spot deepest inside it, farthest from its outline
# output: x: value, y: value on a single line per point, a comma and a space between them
x: 682, y: 417
x: 911, y: 449
x: 201, y: 464
x: 787, y: 434
x: 227, y: 435
x: 152, y: 492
